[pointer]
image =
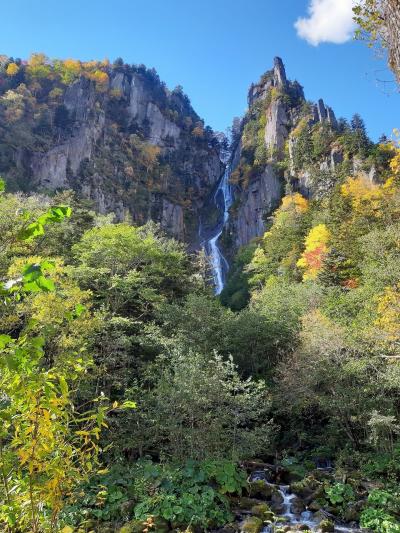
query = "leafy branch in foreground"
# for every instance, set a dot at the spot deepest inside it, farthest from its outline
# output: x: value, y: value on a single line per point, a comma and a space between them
x: 47, y: 445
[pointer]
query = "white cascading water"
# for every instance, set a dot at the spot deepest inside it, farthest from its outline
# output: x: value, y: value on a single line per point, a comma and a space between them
x: 218, y: 262
x: 288, y: 517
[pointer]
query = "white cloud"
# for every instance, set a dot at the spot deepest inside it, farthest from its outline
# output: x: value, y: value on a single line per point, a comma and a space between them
x: 328, y: 21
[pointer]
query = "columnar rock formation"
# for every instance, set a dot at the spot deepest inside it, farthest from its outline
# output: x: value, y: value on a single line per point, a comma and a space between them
x: 277, y: 109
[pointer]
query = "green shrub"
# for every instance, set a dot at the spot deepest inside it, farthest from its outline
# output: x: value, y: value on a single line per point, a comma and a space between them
x: 191, y: 494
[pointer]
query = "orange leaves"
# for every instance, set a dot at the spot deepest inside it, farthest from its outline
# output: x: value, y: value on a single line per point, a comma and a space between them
x: 351, y: 283
x: 313, y: 258
x: 315, y: 251
x: 198, y: 131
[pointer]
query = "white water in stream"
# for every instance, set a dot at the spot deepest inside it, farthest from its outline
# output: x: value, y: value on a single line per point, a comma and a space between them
x: 306, y: 518
x: 218, y: 262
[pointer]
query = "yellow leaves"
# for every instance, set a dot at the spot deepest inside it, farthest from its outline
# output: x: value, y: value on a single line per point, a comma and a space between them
x: 316, y: 248
x: 149, y: 154
x: 72, y: 65
x: 388, y: 320
x: 292, y: 207
x: 12, y: 69
x: 37, y: 60
x: 361, y: 191
x: 38, y: 66
x: 67, y: 529
x: 70, y: 69
x: 302, y: 125
x: 23, y: 456
x: 369, y: 199
x: 101, y: 79
x: 395, y: 163
x: 294, y: 201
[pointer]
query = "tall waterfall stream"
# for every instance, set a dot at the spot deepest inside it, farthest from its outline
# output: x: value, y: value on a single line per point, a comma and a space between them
x: 219, y: 264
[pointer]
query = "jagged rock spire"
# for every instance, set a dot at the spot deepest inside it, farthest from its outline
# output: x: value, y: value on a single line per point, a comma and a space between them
x: 276, y: 77
x: 279, y: 73
x: 324, y: 113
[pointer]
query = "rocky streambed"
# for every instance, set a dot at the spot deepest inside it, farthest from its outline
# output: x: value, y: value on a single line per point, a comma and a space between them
x: 276, y: 504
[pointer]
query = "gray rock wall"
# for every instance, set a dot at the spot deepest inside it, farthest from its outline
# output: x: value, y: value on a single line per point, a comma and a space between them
x: 59, y: 166
x: 256, y: 203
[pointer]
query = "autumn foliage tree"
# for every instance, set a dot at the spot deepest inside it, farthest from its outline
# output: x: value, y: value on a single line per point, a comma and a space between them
x: 316, y: 248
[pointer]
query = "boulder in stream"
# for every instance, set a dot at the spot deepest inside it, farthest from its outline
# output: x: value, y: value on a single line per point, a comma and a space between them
x: 253, y: 524
x: 261, y: 489
x: 297, y: 505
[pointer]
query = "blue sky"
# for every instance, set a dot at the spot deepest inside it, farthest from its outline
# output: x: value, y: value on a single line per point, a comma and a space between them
x: 213, y: 48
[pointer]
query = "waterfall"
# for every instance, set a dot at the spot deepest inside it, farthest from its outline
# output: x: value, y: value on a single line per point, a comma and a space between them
x: 219, y: 264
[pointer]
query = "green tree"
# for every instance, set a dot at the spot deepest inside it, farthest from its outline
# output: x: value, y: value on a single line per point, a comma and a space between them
x: 199, y: 408
x: 47, y: 445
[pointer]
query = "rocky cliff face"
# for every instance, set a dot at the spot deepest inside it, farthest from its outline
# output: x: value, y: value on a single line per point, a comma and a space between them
x: 285, y: 143
x: 257, y: 201
x: 116, y: 135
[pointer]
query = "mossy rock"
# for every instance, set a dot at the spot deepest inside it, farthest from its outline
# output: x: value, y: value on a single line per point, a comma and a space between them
x: 326, y: 526
x: 253, y: 524
x: 318, y: 493
x: 260, y: 489
x: 244, y: 503
x: 316, y: 505
x: 263, y: 511
x: 353, y: 511
x: 306, y: 487
x: 134, y: 526
x: 126, y: 508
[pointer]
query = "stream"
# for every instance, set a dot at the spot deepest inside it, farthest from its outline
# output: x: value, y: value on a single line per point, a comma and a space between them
x: 223, y: 201
x: 289, y: 518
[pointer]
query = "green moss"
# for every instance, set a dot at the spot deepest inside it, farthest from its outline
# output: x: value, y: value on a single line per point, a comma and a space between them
x: 260, y: 489
x: 134, y: 526
x: 263, y: 511
x: 252, y: 525
x: 326, y: 526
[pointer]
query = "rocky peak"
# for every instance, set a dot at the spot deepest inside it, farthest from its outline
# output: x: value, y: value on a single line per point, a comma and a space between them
x: 278, y: 112
x: 279, y: 73
x: 274, y: 78
x: 323, y: 113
